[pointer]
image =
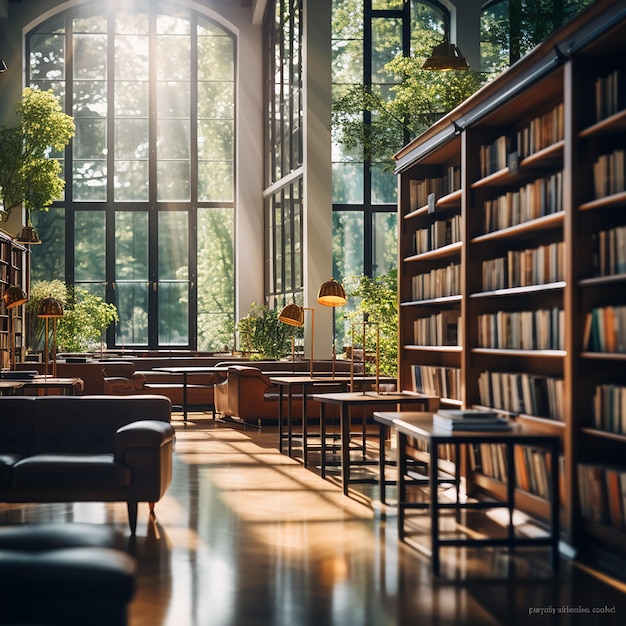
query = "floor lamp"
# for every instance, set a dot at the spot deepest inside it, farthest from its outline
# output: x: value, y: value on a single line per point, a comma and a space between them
x: 13, y: 297
x: 50, y: 308
x: 331, y: 293
x: 293, y: 315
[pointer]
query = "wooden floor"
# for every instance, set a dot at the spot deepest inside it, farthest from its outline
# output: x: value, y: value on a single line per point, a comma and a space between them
x: 246, y: 536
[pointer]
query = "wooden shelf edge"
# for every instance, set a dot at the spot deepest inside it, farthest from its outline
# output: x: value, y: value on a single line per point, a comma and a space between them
x: 514, y: 291
x: 544, y: 222
x: 616, y: 201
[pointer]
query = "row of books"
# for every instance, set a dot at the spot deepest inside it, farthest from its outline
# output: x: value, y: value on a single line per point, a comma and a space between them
x: 420, y: 190
x: 541, y: 132
x: 602, y: 492
x: 494, y: 156
x: 529, y: 394
x: 543, y: 196
x: 444, y: 382
x: 543, y: 329
x: 609, y: 174
x: 440, y: 233
x: 532, y: 467
x: 609, y: 251
x: 440, y: 329
x: 610, y: 94
x: 438, y: 283
x: 609, y: 408
x: 457, y: 420
x: 523, y: 268
x: 605, y: 330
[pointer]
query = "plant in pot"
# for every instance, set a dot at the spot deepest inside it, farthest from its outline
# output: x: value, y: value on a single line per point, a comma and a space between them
x: 29, y: 171
x: 85, y: 317
x: 375, y: 299
x: 262, y: 335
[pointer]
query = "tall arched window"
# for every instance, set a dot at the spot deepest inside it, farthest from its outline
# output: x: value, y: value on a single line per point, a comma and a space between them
x: 147, y: 221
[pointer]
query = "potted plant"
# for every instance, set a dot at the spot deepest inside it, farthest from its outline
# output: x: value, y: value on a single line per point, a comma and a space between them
x: 376, y: 299
x: 29, y: 175
x: 85, y: 316
x: 262, y: 335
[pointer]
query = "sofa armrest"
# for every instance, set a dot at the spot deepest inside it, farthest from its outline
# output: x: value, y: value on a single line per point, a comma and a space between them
x: 139, y: 380
x: 118, y: 385
x: 142, y: 434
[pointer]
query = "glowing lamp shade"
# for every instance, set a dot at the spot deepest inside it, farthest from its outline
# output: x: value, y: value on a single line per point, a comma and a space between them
x: 331, y: 293
x: 292, y: 314
x: 446, y: 56
x: 14, y: 296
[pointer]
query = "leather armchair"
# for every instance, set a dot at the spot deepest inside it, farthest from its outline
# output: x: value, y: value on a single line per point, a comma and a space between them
x: 247, y: 393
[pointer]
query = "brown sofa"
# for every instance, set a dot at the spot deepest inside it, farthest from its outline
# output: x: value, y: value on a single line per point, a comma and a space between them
x: 122, y: 378
x: 86, y: 449
x: 248, y: 394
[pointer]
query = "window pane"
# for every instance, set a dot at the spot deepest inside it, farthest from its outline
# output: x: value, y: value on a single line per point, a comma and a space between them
x: 131, y: 181
x: 173, y: 99
x: 173, y: 181
x: 90, y: 139
x: 173, y: 245
x: 131, y: 138
x: 131, y: 58
x: 173, y: 314
x: 215, y: 139
x: 348, y: 183
x: 385, y: 244
x: 90, y: 57
x: 131, y: 277
x: 347, y: 244
x: 89, y: 181
x: 215, y: 100
x: 132, y: 307
x: 173, y: 139
x: 215, y: 181
x: 131, y: 99
x: 384, y: 184
x: 131, y: 245
x: 216, y: 279
x: 89, y: 246
x: 218, y: 53
x: 48, y: 259
x: 386, y: 45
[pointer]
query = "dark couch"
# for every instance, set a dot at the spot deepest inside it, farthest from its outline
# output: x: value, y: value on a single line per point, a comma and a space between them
x: 86, y: 449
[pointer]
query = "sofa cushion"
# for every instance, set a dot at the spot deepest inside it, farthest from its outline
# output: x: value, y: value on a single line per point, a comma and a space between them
x: 72, y: 470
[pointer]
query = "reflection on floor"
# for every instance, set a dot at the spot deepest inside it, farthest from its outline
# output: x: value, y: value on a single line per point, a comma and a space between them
x: 247, y: 536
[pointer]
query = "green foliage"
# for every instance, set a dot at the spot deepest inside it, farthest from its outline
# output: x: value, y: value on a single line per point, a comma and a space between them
x: 377, y: 299
x: 418, y: 100
x: 28, y: 174
x: 85, y: 316
x: 262, y: 335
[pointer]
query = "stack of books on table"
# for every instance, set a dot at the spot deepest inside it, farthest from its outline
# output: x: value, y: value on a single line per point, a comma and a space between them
x: 458, y: 419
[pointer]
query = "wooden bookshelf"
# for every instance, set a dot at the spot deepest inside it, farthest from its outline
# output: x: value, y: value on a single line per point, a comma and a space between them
x: 12, y: 273
x: 542, y: 251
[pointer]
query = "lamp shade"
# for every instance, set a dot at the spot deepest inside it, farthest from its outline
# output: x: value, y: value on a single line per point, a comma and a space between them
x: 446, y: 56
x: 49, y: 307
x: 28, y: 236
x: 292, y: 314
x: 331, y: 293
x: 14, y: 296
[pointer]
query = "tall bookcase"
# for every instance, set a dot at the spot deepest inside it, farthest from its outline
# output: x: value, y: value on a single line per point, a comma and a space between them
x: 13, y: 272
x: 526, y: 308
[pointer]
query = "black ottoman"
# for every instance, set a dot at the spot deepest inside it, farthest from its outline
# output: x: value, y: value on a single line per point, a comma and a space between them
x: 64, y: 575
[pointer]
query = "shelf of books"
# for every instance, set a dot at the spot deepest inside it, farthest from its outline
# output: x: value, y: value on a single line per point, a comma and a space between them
x: 600, y: 228
x: 513, y: 283
x: 12, y: 273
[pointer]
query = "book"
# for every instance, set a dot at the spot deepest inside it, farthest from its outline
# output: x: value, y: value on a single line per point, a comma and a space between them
x: 450, y: 424
x: 463, y: 414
